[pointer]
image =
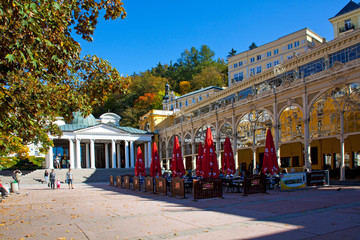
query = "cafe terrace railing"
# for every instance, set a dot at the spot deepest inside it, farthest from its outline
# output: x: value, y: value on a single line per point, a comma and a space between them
x: 160, y: 185
x: 317, y: 178
x: 136, y: 183
x: 207, y: 188
x: 149, y: 184
x: 111, y: 180
x: 178, y: 187
x: 127, y: 182
x: 255, y: 184
x: 118, y: 181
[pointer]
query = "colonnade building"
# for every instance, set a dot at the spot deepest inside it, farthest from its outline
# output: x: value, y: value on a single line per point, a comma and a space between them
x: 91, y: 143
x: 310, y: 99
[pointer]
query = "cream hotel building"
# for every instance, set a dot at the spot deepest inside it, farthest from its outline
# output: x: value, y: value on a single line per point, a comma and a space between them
x: 304, y: 88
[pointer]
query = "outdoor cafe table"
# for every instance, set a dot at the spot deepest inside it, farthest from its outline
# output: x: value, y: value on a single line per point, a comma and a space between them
x: 234, y: 183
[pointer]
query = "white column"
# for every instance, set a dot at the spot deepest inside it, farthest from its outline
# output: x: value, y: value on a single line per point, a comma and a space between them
x: 234, y: 142
x: 78, y: 154
x: 235, y: 152
x: 149, y: 154
x: 193, y: 155
x: 71, y: 153
x: 126, y: 154
x: 50, y: 158
x: 87, y: 157
x: 106, y: 155
x: 118, y: 156
x: 254, y: 152
x: 92, y: 153
x: 167, y: 154
x: 307, y: 157
x: 342, y: 148
x: 113, y: 155
x: 132, y: 159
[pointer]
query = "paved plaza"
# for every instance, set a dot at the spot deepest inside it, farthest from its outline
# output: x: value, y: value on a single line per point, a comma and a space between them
x: 99, y: 211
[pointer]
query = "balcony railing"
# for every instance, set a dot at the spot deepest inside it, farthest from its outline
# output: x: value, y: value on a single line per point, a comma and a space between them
x: 346, y: 28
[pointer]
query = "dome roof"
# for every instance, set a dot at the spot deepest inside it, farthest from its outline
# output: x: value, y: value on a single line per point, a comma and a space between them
x: 80, y: 120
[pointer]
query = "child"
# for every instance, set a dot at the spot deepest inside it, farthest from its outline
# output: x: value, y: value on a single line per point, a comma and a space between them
x: 58, y: 183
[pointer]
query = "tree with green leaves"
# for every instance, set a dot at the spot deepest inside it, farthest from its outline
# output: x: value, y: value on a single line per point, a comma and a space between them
x: 42, y: 75
x: 232, y: 53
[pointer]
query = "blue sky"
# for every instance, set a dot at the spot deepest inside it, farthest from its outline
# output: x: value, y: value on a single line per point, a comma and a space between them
x: 159, y: 31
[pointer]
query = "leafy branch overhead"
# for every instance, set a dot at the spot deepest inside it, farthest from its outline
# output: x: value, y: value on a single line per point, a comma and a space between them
x: 41, y: 73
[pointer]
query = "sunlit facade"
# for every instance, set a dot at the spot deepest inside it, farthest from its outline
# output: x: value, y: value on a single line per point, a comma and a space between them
x: 310, y: 102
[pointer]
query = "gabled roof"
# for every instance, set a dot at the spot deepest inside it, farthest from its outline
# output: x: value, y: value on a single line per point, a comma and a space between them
x: 351, y: 6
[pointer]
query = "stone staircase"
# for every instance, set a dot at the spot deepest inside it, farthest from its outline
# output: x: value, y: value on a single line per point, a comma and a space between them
x: 80, y: 175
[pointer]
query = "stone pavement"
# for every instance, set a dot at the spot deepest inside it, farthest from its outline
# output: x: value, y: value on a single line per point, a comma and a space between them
x: 99, y: 211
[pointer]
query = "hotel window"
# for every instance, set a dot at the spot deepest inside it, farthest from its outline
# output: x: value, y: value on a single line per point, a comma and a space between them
x: 186, y: 103
x: 235, y: 65
x: 276, y: 51
x: 252, y: 71
x: 258, y: 69
x: 276, y: 62
x: 290, y: 57
x: 240, y: 63
x: 193, y: 100
x: 236, y: 77
x: 258, y: 57
x: 241, y: 76
x: 268, y: 54
x: 296, y: 44
x: 200, y: 98
x: 348, y: 24
x: 290, y: 46
x: 269, y: 65
x: 284, y: 48
x: 172, y: 99
x: 252, y: 59
x: 171, y: 107
x: 180, y: 104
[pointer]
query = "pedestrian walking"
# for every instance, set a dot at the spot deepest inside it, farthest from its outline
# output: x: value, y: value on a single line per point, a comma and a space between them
x: 70, y: 178
x: 46, y: 176
x: 52, y: 179
x: 16, y: 176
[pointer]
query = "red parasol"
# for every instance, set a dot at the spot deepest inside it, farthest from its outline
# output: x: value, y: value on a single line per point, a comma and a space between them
x: 270, y: 163
x: 210, y: 165
x: 177, y: 164
x: 228, y: 162
x: 199, y: 160
x: 139, y: 164
x: 155, y: 168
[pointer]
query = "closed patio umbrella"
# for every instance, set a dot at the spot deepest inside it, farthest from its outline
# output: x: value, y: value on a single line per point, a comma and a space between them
x: 199, y: 161
x: 270, y: 163
x: 228, y: 162
x: 177, y: 164
x: 139, y: 164
x: 155, y: 168
x: 210, y: 165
